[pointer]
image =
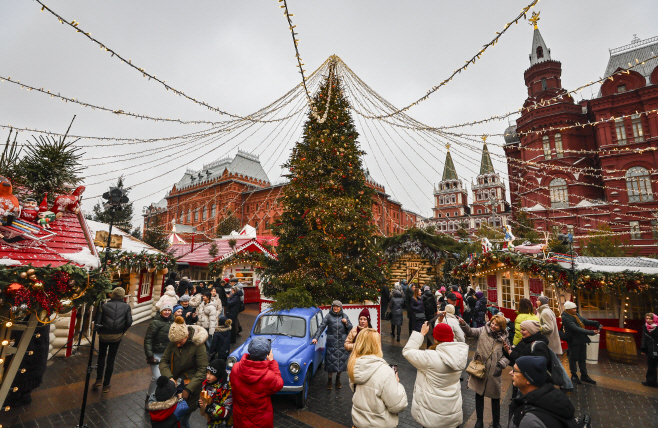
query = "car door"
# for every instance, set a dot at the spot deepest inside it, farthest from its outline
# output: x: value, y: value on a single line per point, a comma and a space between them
x: 322, y: 342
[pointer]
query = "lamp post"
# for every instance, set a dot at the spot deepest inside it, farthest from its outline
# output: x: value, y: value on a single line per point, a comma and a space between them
x: 568, y: 239
x: 116, y: 199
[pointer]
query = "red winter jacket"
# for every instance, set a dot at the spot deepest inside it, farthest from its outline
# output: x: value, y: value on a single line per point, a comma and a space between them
x: 459, y: 302
x: 252, y: 383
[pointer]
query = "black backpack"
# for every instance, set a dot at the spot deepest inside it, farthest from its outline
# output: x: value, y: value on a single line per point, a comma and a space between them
x: 586, y: 421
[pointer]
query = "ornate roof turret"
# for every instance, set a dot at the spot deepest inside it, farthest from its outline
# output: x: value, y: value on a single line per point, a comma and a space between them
x: 539, y: 52
x: 449, y: 171
x: 486, y: 166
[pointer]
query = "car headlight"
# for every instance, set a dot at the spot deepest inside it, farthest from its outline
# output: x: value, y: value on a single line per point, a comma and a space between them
x: 294, y: 368
x: 231, y: 360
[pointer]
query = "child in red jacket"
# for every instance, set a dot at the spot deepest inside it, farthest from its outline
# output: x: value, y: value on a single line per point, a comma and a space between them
x: 216, y: 402
x: 253, y: 380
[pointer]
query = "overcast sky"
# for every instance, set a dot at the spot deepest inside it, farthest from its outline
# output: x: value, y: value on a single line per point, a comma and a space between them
x: 238, y: 56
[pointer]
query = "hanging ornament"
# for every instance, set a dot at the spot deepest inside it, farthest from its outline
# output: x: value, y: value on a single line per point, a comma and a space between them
x: 38, y: 285
x: 23, y: 275
x: 23, y: 307
x: 30, y: 271
x: 33, y: 277
x: 13, y: 288
x: 14, y: 309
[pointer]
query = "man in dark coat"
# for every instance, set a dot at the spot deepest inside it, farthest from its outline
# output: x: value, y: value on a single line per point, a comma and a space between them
x: 383, y: 302
x: 408, y: 296
x: 338, y: 325
x: 233, y: 309
x: 395, y: 305
x: 220, y: 285
x: 540, y: 403
x: 114, y: 320
x: 429, y: 303
x: 577, y: 339
x: 649, y: 346
x: 184, y: 286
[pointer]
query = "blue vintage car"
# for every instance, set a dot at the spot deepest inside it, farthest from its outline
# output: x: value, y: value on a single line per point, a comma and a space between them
x: 291, y: 333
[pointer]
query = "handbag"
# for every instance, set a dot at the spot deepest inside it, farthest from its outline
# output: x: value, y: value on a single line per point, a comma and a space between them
x: 420, y: 316
x: 479, y: 368
x: 387, y: 315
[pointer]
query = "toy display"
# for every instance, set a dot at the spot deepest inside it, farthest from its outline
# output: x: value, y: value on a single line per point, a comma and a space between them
x: 70, y: 202
x: 9, y: 205
x: 30, y: 210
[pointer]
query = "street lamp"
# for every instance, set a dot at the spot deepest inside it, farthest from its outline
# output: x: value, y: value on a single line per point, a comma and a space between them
x: 568, y: 239
x: 116, y: 198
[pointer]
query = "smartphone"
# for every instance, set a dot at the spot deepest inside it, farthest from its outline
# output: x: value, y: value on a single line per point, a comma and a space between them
x: 394, y: 367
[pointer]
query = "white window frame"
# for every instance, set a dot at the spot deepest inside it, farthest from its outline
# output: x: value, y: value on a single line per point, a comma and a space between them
x: 636, y: 232
x: 638, y: 134
x: 147, y: 279
x: 546, y: 144
x: 620, y: 129
x: 559, y: 193
x: 559, y: 151
x: 638, y: 185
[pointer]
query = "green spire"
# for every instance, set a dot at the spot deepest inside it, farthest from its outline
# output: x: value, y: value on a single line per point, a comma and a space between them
x: 449, y: 172
x: 486, y: 167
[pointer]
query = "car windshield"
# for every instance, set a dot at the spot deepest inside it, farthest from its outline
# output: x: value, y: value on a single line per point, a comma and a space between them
x: 281, y: 324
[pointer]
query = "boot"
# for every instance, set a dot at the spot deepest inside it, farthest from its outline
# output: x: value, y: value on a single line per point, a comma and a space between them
x: 338, y: 385
x: 575, y: 380
x: 586, y: 378
x: 97, y: 384
x: 398, y: 337
x: 650, y: 385
x: 479, y: 424
x: 495, y: 415
x: 329, y: 383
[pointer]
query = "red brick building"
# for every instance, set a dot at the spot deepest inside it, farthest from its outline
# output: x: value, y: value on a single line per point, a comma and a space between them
x: 201, y: 199
x: 568, y: 169
x: 452, y: 210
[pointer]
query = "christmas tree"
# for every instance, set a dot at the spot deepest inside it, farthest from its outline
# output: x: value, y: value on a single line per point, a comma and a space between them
x: 326, y: 248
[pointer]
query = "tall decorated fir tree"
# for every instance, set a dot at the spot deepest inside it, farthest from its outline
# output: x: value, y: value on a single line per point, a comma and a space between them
x: 326, y: 248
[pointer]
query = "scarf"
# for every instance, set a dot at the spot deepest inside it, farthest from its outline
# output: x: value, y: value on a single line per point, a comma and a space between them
x: 652, y: 326
x: 500, y: 335
x: 577, y: 318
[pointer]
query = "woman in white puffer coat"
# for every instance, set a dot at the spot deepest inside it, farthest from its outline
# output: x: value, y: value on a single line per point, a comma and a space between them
x: 206, y: 311
x: 437, y: 398
x: 378, y: 394
x: 169, y: 298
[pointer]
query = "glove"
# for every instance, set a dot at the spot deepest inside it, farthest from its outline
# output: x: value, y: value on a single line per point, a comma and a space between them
x: 498, y: 370
x: 151, y: 360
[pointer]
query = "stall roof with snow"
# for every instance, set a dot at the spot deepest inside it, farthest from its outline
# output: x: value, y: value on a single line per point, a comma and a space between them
x: 201, y: 256
x: 68, y: 240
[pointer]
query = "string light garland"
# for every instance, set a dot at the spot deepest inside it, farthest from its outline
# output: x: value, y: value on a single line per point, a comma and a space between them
x: 463, y: 67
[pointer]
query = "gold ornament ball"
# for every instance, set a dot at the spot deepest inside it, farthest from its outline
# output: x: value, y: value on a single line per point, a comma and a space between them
x: 38, y: 285
x: 30, y: 271
x: 479, y: 266
x: 586, y: 277
x: 33, y: 277
x: 23, y: 275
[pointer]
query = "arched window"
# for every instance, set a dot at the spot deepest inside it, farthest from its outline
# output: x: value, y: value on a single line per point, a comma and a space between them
x: 540, y: 52
x: 196, y: 214
x: 453, y: 199
x: 212, y: 211
x: 558, y: 190
x: 204, y: 213
x: 638, y: 183
x: 189, y: 215
x: 559, y: 151
x: 547, y: 147
x: 182, y: 216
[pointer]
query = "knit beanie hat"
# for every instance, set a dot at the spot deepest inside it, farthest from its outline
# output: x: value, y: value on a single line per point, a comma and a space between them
x: 570, y: 305
x: 426, y: 288
x: 223, y: 321
x: 118, y: 293
x: 479, y: 294
x: 450, y: 309
x: 533, y: 369
x: 218, y: 369
x: 543, y: 300
x: 442, y: 289
x: 531, y: 326
x: 177, y: 307
x: 443, y: 333
x: 365, y: 312
x: 165, y: 388
x: 337, y: 303
x: 258, y: 349
x: 164, y: 307
x: 185, y: 298
x: 178, y: 330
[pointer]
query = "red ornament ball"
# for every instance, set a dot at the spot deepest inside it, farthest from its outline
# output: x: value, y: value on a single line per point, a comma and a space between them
x: 13, y: 288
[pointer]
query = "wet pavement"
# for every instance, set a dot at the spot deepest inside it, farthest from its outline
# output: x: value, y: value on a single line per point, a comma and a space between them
x: 619, y: 400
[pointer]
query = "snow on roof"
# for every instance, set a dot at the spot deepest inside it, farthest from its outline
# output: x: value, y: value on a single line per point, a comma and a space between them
x: 71, y: 237
x: 201, y: 257
x: 244, y: 163
x: 617, y: 264
x: 129, y: 243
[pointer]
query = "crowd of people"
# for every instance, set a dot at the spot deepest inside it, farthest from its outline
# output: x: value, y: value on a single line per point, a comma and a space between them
x: 188, y: 341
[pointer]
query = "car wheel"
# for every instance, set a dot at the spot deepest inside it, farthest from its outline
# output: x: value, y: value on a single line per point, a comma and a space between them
x: 300, y: 399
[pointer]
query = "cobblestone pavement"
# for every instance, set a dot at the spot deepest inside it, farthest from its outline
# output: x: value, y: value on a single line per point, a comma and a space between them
x: 619, y: 400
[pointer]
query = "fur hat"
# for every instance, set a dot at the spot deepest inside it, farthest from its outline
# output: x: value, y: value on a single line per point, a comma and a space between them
x: 450, y: 309
x: 223, y: 321
x: 178, y: 330
x: 531, y: 326
x: 185, y: 298
x: 165, y: 388
x: 337, y: 303
x: 543, y: 300
x: 118, y: 293
x: 443, y: 333
x: 258, y: 349
x: 570, y: 305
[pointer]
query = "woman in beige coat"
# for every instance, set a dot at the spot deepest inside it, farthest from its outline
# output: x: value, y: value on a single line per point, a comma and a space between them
x: 378, y: 394
x: 364, y: 322
x: 549, y: 325
x: 490, y: 341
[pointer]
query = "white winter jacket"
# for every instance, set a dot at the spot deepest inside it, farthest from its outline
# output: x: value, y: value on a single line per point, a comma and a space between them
x: 452, y: 321
x: 217, y: 303
x: 437, y: 398
x: 378, y: 396
x: 206, y: 313
x: 168, y: 298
